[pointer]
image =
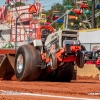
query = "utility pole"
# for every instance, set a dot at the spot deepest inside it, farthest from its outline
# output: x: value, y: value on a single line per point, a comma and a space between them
x: 93, y: 14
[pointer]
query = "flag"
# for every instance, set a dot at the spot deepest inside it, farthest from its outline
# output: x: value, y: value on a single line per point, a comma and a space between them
x: 38, y: 6
x: 8, y: 1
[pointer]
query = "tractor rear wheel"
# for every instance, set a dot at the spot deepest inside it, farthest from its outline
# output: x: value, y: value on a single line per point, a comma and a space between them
x: 26, y: 61
x: 65, y: 72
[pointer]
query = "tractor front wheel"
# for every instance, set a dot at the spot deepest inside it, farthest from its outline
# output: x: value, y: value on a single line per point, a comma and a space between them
x: 65, y: 72
x: 80, y: 59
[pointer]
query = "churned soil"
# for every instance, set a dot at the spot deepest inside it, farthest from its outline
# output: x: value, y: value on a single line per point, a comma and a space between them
x: 82, y: 87
x: 87, y: 78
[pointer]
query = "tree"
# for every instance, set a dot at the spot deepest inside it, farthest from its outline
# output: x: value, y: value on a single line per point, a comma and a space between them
x: 59, y: 7
x: 62, y: 8
x: 49, y: 13
x: 19, y: 4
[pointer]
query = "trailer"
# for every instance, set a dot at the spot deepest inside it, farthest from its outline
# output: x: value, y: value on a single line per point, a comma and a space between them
x: 92, y: 57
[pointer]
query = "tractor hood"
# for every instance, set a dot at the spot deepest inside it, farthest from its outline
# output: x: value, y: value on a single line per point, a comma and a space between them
x: 63, y: 37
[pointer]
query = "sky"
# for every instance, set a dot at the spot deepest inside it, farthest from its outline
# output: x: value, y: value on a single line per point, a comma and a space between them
x: 46, y: 3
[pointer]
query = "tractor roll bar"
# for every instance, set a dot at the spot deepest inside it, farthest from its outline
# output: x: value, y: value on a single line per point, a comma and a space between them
x: 16, y: 28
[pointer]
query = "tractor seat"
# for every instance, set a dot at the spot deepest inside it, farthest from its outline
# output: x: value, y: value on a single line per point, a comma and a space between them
x: 45, y: 33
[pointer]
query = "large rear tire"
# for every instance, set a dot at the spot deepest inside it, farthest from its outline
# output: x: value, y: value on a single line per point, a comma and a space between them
x: 26, y: 61
x: 65, y: 73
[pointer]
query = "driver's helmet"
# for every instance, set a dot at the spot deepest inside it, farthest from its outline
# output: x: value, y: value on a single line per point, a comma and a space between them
x: 45, y: 33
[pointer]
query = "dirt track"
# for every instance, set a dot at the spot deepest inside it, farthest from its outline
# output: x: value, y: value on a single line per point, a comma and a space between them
x: 79, y: 88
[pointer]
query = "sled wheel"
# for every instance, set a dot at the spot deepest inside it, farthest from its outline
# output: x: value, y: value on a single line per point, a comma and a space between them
x: 80, y: 59
x: 26, y: 61
x: 53, y: 61
x: 65, y: 72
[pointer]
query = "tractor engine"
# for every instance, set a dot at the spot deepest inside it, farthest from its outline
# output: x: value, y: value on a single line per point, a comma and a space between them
x: 63, y: 47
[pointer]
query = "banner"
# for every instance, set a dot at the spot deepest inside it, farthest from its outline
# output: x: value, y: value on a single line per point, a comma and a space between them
x: 95, y: 47
x: 8, y: 1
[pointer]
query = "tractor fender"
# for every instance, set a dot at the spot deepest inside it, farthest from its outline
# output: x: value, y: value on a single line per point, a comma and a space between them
x: 38, y: 45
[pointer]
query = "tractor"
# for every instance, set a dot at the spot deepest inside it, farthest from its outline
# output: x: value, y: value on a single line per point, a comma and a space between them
x: 50, y: 56
x: 92, y: 57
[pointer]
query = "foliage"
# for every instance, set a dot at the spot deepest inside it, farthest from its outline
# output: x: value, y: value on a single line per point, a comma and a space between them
x: 49, y: 13
x: 62, y: 8
x: 19, y: 4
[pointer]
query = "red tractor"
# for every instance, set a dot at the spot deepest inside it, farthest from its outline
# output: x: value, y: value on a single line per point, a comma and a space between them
x: 50, y: 56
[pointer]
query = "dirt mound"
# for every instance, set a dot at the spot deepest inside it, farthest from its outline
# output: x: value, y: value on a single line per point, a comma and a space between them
x: 14, y: 78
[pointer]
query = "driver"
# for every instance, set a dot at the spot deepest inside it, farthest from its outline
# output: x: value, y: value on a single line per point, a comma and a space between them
x: 45, y: 33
